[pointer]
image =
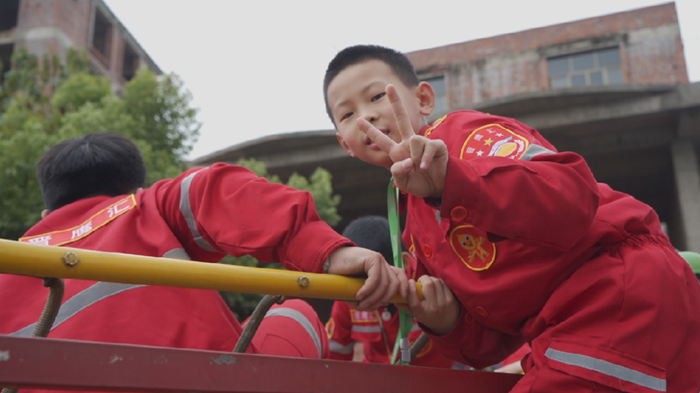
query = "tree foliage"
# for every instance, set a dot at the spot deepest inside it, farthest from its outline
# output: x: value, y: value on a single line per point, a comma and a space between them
x: 44, y: 102
x: 319, y: 185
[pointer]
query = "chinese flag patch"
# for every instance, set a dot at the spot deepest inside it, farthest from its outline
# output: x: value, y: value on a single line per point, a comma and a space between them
x: 476, y: 251
x: 494, y: 140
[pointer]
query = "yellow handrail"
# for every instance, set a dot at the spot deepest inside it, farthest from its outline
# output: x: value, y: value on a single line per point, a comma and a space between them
x: 64, y: 262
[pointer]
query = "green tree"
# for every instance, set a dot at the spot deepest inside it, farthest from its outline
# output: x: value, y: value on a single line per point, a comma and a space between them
x: 319, y: 186
x: 44, y: 102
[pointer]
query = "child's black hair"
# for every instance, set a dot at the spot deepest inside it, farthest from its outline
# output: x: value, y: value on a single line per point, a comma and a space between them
x: 352, y: 55
x: 371, y: 232
x: 95, y: 164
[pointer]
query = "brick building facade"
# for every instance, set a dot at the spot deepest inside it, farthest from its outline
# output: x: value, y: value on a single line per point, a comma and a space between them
x: 52, y: 26
x: 643, y: 47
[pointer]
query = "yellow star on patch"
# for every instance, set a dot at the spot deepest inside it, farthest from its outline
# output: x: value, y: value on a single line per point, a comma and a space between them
x: 488, y: 142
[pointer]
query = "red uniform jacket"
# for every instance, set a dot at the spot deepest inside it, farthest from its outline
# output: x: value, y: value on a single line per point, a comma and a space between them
x: 203, y: 215
x: 348, y: 326
x: 537, y: 251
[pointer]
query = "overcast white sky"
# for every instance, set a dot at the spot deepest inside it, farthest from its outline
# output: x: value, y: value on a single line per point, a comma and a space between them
x: 255, y: 68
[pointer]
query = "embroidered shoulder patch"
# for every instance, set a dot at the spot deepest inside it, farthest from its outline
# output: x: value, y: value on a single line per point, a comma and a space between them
x: 474, y: 250
x: 494, y: 140
x: 98, y: 220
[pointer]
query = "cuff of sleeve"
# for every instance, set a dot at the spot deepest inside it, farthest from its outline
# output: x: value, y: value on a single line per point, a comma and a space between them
x: 312, y: 246
x: 450, y: 338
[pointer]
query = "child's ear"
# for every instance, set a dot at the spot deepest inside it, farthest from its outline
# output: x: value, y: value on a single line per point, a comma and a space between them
x: 426, y: 98
x: 344, y: 145
x: 44, y: 213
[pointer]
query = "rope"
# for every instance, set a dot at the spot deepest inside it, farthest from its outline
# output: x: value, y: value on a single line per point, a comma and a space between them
x: 48, y: 315
x: 252, y: 326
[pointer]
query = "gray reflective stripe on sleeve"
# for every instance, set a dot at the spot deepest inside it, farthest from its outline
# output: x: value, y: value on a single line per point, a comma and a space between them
x: 302, y: 320
x: 366, y: 329
x: 177, y: 253
x: 186, y: 211
x: 607, y: 368
x: 80, y: 301
x: 535, y: 150
x: 337, y: 347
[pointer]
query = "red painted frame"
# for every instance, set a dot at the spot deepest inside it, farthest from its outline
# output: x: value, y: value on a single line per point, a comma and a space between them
x: 65, y: 364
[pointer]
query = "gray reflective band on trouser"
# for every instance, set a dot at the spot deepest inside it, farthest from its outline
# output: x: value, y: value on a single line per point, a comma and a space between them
x: 535, y: 150
x: 337, y: 347
x: 302, y: 320
x: 607, y: 368
x: 186, y: 211
x: 86, y: 298
x: 366, y: 329
x: 177, y: 253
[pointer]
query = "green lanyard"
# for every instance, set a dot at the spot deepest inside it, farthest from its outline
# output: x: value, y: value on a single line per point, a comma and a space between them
x: 405, y: 319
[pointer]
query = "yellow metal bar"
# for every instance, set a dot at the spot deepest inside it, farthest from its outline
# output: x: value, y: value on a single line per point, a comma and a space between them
x: 64, y: 262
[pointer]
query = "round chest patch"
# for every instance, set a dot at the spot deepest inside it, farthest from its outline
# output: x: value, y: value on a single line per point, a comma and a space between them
x: 474, y: 250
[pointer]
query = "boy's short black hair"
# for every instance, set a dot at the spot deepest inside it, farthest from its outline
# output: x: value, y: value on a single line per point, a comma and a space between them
x: 352, y: 55
x: 371, y: 232
x: 95, y: 164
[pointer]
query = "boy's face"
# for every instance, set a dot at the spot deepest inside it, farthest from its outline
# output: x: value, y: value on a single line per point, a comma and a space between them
x: 359, y: 92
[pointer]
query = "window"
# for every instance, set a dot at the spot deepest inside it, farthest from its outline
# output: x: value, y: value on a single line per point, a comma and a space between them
x: 9, y: 9
x: 130, y: 63
x: 595, y: 68
x: 438, y: 84
x: 102, y: 34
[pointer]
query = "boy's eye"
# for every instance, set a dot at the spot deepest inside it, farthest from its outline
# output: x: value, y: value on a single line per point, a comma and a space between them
x: 378, y: 96
x: 347, y: 115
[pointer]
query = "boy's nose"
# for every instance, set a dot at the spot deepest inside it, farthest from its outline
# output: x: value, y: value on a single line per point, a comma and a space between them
x: 370, y: 117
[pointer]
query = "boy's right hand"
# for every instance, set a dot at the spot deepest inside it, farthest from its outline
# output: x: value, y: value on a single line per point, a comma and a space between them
x: 439, y: 310
x: 383, y: 280
x: 420, y: 164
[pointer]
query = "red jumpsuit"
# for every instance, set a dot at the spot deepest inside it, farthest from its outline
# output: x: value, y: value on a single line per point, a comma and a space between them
x: 537, y: 251
x: 202, y: 215
x: 348, y: 326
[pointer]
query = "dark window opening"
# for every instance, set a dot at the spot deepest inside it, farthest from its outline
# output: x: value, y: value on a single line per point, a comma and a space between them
x: 594, y: 68
x: 6, y: 59
x: 9, y: 9
x: 102, y: 34
x: 131, y: 62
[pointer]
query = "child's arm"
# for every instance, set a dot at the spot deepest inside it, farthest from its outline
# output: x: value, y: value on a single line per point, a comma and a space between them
x: 227, y: 209
x: 537, y: 194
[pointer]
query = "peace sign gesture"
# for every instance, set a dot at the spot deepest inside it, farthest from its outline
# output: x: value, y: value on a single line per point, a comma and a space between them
x: 420, y: 164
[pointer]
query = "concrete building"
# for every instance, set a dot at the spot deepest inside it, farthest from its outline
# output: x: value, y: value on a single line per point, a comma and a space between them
x: 613, y: 88
x: 52, y: 26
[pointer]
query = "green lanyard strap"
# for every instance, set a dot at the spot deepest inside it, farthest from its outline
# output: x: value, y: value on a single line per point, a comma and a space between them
x: 405, y: 318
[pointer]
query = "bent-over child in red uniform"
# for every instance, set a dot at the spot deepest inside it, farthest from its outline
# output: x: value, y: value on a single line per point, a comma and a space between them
x: 90, y: 186
x: 534, y: 249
